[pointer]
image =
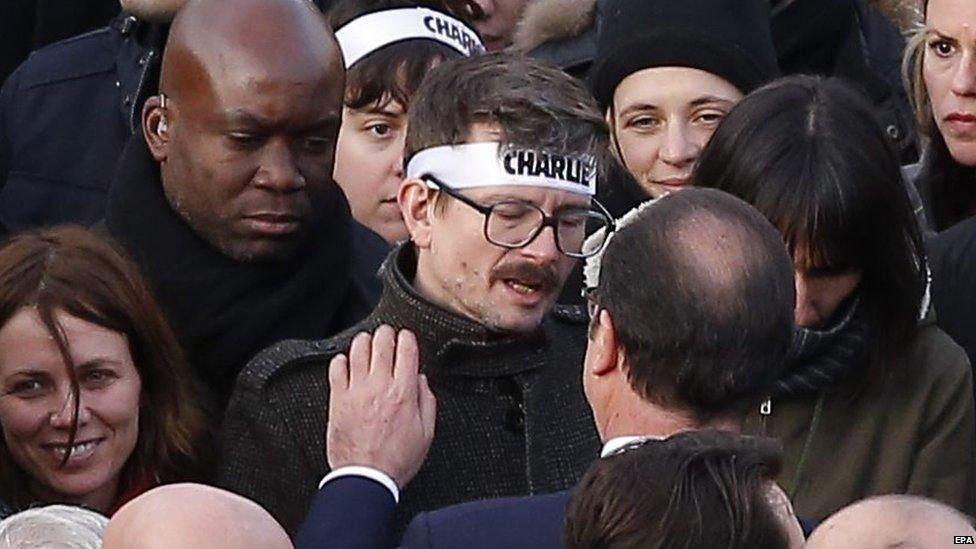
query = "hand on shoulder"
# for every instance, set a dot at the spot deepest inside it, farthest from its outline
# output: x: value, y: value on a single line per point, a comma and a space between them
x: 381, y: 409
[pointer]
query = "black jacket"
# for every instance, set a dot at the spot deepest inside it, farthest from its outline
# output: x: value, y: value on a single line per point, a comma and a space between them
x: 952, y: 258
x: 511, y: 415
x: 851, y: 40
x: 65, y: 115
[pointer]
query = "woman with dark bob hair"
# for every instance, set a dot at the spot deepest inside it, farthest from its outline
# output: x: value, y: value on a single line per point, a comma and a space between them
x: 873, y: 400
x: 96, y: 402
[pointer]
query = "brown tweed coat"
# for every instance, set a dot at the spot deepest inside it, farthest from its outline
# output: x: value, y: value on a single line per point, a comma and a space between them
x: 511, y: 415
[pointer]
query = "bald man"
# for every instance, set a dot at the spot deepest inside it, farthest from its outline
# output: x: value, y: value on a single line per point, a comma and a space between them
x: 57, y: 168
x: 193, y: 516
x: 893, y: 521
x: 226, y: 198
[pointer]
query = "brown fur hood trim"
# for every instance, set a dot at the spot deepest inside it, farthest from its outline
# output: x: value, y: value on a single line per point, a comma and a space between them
x: 546, y: 20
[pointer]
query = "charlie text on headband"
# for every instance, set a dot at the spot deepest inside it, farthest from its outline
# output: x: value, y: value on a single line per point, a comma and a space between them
x: 489, y: 164
x: 368, y: 33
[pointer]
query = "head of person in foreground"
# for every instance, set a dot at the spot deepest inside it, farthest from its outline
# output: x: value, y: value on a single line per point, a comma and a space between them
x: 704, y: 489
x: 892, y: 521
x: 193, y: 516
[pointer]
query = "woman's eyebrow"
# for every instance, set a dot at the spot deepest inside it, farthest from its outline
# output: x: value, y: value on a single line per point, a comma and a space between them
x: 29, y: 371
x: 97, y: 361
x: 929, y: 32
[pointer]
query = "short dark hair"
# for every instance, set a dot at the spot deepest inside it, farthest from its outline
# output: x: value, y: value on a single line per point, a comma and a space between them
x: 534, y: 103
x: 809, y: 154
x: 700, y: 290
x: 393, y: 72
x: 702, y: 489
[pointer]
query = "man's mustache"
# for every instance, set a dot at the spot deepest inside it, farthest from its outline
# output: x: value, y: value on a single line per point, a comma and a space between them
x: 528, y: 272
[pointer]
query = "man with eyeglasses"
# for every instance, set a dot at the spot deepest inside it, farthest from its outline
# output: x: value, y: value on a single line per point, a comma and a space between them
x: 503, y: 157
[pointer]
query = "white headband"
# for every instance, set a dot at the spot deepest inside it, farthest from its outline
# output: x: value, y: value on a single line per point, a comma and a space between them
x: 364, y: 35
x: 488, y: 164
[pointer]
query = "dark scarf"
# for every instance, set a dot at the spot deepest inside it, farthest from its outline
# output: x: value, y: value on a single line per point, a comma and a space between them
x: 821, y: 357
x: 225, y: 311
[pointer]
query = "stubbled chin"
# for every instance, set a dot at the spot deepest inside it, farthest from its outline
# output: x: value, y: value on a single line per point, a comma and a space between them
x: 516, y: 318
x: 509, y: 318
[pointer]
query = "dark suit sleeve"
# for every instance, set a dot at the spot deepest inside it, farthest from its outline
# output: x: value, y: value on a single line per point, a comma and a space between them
x: 350, y: 513
x: 417, y: 535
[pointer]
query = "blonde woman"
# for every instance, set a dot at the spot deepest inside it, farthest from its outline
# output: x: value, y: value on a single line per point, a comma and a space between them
x: 941, y: 75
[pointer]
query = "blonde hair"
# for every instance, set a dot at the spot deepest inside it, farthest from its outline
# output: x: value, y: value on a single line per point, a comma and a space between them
x: 911, y: 72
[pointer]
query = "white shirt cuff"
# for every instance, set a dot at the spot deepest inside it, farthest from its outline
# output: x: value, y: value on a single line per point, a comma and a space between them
x: 367, y: 472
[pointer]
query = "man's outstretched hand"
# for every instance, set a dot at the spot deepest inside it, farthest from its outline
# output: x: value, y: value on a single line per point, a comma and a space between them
x: 381, y: 409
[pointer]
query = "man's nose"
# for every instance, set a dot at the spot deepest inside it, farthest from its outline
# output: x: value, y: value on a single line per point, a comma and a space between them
x: 279, y: 170
x: 543, y: 247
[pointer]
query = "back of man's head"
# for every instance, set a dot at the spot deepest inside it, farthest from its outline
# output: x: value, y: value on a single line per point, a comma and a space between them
x: 193, y: 516
x: 700, y: 290
x: 893, y: 521
x: 53, y: 527
x: 702, y: 489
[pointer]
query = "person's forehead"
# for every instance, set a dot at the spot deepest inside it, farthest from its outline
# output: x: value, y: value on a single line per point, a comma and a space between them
x: 672, y: 86
x: 956, y: 16
x: 385, y: 106
x: 242, y: 59
x: 545, y: 198
x: 266, y: 99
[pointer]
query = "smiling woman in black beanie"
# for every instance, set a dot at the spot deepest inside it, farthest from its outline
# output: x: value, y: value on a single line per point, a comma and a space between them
x: 666, y: 73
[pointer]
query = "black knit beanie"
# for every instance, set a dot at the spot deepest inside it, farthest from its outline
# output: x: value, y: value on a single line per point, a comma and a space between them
x: 728, y: 38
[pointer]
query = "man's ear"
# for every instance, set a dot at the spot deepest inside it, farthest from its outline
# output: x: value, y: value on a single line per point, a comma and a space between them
x: 155, y: 127
x: 603, y: 337
x: 416, y: 202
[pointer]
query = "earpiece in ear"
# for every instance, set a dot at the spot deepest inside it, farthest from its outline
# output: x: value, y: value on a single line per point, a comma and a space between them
x: 161, y: 127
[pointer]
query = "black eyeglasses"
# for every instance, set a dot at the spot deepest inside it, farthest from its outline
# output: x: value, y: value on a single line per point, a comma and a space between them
x: 516, y: 223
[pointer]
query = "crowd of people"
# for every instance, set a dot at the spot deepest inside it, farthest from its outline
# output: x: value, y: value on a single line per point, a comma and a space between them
x: 491, y: 273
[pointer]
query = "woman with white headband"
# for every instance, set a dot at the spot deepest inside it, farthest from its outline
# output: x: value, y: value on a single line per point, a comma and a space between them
x: 388, y: 47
